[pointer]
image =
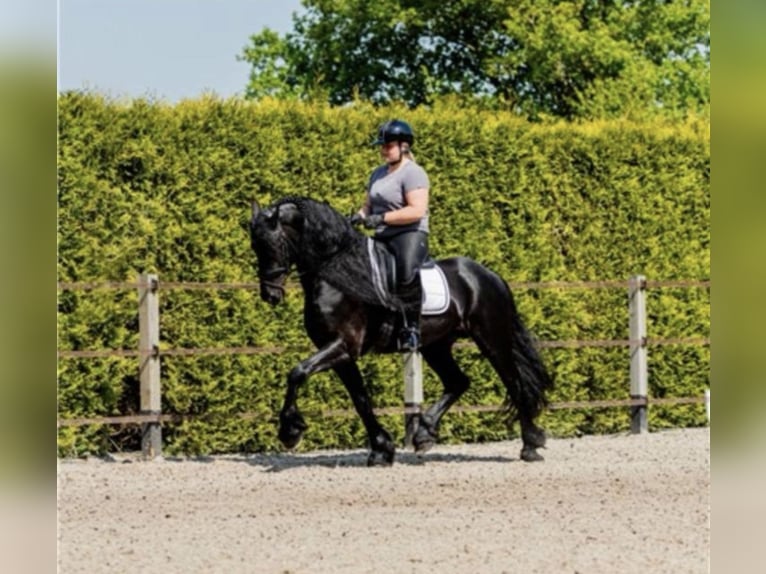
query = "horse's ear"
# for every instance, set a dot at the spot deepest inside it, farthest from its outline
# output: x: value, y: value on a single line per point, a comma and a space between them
x: 256, y: 209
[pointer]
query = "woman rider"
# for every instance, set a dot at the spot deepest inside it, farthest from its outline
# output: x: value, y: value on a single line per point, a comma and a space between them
x: 396, y: 207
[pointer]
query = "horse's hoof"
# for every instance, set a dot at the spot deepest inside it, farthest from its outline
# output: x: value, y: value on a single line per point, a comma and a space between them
x: 382, y: 450
x: 423, y: 441
x: 533, y: 437
x: 529, y: 454
x: 290, y: 439
x: 424, y: 446
x: 291, y: 429
x: 378, y: 458
x: 426, y: 435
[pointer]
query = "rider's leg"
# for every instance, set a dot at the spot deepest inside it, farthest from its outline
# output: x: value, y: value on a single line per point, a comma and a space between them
x: 411, y: 249
x: 411, y: 295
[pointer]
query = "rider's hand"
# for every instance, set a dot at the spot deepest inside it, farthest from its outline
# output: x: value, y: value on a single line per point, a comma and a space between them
x: 356, y: 219
x: 372, y: 221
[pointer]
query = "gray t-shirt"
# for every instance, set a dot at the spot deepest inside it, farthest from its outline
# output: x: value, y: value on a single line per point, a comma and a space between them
x: 386, y: 192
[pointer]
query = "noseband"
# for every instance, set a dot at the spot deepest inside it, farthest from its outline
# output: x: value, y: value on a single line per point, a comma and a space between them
x: 267, y: 278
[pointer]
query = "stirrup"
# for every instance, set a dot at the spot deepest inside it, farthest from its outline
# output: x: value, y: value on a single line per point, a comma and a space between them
x: 409, y: 339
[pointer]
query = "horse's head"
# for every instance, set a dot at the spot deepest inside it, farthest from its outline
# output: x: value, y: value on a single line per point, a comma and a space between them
x: 270, y: 231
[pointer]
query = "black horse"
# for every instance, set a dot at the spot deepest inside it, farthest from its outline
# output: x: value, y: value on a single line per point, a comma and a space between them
x: 345, y: 319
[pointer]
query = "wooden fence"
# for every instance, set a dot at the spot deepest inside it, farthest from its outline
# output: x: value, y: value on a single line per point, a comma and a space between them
x: 149, y: 354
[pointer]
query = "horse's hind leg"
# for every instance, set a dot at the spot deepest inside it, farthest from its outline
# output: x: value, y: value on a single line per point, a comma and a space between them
x: 439, y: 358
x: 526, y: 407
x: 509, y: 348
x: 382, y: 448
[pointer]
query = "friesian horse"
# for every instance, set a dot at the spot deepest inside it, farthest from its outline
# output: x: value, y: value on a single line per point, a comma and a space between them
x: 345, y: 319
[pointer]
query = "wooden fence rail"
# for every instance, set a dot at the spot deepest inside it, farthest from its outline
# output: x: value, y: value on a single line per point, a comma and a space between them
x: 149, y: 354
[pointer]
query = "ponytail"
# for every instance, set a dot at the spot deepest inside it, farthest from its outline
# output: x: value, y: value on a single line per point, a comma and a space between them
x: 407, y: 152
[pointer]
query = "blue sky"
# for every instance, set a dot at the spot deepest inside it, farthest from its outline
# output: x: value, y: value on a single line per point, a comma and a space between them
x: 163, y: 49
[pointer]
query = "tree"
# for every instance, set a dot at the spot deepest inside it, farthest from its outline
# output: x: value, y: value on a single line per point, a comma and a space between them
x: 566, y: 58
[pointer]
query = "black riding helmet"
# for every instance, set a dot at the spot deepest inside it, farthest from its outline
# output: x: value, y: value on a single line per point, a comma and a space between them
x: 395, y: 131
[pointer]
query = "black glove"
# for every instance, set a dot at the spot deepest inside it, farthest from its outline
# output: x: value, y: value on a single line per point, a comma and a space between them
x: 356, y: 219
x: 372, y: 221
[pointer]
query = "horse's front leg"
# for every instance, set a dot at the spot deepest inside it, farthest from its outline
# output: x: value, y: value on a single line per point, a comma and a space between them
x: 291, y: 423
x: 382, y: 448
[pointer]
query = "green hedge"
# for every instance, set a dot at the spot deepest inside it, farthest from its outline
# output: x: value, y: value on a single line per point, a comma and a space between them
x: 151, y: 187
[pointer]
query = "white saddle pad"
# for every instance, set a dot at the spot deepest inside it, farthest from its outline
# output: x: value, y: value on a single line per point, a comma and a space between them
x: 435, y: 291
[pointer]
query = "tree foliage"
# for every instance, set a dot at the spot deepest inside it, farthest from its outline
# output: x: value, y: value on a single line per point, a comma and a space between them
x: 566, y: 58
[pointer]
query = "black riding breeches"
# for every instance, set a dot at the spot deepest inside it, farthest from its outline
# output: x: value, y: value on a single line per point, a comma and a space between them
x: 410, y: 249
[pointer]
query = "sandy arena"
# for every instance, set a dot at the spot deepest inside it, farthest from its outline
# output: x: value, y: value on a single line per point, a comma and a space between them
x: 601, y: 504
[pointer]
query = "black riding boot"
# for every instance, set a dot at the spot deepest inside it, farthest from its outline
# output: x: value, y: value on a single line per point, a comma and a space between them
x: 411, y: 295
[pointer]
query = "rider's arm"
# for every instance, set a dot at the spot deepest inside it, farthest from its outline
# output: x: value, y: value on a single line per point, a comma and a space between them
x: 417, y: 204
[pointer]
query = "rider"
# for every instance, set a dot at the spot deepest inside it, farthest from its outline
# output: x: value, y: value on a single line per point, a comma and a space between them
x: 396, y: 207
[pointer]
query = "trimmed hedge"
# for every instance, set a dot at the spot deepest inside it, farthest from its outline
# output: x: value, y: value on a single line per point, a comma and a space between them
x: 151, y: 187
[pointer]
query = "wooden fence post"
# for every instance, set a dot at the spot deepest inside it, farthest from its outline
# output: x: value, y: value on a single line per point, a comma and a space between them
x: 413, y: 393
x: 149, y: 362
x: 639, y: 374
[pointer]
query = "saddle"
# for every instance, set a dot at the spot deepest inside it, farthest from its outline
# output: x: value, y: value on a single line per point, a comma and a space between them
x: 436, y: 295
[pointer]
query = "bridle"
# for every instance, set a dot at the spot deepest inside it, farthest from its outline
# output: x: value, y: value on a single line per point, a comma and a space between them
x: 267, y: 278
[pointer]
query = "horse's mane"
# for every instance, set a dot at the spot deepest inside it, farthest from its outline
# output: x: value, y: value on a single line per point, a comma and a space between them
x: 332, y: 249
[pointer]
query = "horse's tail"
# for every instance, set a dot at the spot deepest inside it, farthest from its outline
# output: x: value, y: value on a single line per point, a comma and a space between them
x: 530, y: 380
